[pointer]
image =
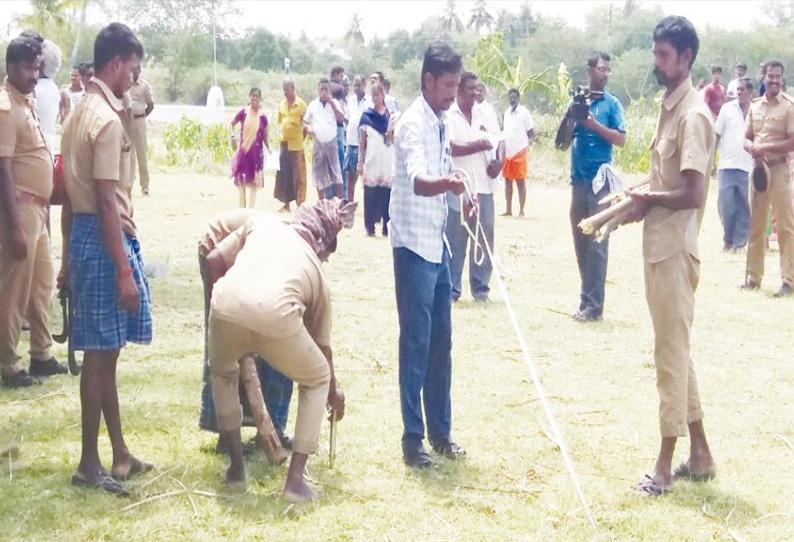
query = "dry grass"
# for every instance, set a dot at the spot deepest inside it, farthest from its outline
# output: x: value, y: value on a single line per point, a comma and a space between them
x: 513, y: 486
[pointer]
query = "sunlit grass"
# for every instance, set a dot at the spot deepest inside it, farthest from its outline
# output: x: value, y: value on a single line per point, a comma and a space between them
x: 513, y: 486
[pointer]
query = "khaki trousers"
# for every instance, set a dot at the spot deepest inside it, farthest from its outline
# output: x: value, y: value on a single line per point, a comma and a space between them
x: 779, y: 195
x: 26, y: 290
x: 670, y: 290
x: 298, y: 357
x: 139, y: 144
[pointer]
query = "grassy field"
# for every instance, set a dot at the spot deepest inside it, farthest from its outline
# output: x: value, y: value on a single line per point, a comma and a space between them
x: 513, y: 486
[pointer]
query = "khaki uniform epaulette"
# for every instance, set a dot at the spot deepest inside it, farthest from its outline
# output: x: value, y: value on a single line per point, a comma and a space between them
x: 787, y: 97
x: 5, y: 100
x: 756, y: 99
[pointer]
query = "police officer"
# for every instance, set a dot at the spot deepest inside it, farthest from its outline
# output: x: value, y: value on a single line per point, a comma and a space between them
x: 26, y: 269
x: 769, y: 138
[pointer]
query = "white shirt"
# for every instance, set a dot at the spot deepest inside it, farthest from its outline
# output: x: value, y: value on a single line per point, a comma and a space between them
x: 517, y: 123
x: 354, y: 109
x: 421, y: 147
x: 48, y: 100
x: 730, y: 127
x: 379, y: 159
x: 732, y: 91
x: 460, y: 131
x: 490, y: 116
x: 322, y: 120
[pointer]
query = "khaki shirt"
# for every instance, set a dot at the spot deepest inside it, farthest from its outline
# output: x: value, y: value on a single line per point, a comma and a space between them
x: 276, y: 283
x: 772, y: 120
x: 22, y: 140
x: 220, y: 227
x: 95, y: 145
x: 140, y: 96
x: 684, y: 140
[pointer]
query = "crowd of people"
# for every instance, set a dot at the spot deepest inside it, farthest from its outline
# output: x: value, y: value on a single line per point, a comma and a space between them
x: 429, y: 174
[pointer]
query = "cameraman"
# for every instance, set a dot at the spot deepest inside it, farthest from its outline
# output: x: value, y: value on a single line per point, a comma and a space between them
x: 594, y: 126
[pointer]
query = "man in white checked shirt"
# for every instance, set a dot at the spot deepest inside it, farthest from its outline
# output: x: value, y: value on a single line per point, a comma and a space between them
x: 418, y: 212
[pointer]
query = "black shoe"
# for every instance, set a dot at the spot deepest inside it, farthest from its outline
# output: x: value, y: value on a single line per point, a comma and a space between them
x: 20, y: 380
x: 47, y: 368
x: 449, y: 449
x: 585, y: 316
x: 785, y: 291
x: 418, y: 458
x: 750, y: 285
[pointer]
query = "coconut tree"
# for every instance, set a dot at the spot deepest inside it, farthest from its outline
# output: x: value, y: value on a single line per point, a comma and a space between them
x: 79, y: 33
x: 449, y: 20
x: 480, y: 18
x: 354, y: 30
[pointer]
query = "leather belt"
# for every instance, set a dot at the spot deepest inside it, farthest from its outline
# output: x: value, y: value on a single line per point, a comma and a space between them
x: 141, y: 116
x: 27, y: 197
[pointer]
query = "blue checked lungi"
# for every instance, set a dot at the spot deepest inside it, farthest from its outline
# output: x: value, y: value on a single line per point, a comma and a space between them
x: 276, y: 388
x: 99, y: 321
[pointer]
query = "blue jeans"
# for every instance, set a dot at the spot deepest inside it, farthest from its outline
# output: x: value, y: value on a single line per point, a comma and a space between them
x: 424, y: 309
x: 733, y: 207
x: 591, y: 256
x: 479, y: 275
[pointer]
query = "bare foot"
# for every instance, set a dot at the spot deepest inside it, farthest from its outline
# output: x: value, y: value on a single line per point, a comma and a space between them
x: 507, y: 213
x: 521, y: 214
x: 129, y: 467
x: 284, y: 208
x: 235, y: 477
x: 299, y: 491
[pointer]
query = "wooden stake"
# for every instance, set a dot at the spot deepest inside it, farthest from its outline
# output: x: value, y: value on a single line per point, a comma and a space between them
x: 266, y: 435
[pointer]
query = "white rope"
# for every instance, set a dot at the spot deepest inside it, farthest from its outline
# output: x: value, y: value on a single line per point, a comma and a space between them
x: 533, y: 370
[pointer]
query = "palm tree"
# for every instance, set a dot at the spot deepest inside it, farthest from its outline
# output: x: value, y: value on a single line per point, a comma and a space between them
x: 480, y: 17
x: 79, y: 34
x: 354, y: 30
x: 449, y: 20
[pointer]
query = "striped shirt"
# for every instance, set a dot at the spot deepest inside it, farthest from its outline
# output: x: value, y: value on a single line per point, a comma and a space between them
x: 422, y: 147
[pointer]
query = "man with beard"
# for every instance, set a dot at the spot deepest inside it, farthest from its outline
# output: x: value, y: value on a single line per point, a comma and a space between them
x: 681, y: 160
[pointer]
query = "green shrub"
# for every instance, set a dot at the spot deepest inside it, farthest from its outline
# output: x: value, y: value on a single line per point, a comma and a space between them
x: 635, y: 155
x: 189, y: 143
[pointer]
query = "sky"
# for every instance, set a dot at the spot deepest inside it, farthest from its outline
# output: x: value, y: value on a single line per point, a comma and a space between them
x: 381, y: 17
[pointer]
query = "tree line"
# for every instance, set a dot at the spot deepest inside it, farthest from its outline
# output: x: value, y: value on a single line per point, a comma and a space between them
x: 177, y: 36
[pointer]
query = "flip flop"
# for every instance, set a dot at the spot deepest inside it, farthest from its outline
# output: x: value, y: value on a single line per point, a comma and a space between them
x: 648, y: 487
x: 137, y: 467
x: 103, y: 482
x: 684, y: 472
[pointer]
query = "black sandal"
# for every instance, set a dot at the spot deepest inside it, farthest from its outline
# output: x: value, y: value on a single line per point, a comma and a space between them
x: 684, y: 472
x: 103, y: 481
x: 648, y: 487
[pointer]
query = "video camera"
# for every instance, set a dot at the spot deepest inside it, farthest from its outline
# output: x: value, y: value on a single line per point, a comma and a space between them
x: 582, y: 97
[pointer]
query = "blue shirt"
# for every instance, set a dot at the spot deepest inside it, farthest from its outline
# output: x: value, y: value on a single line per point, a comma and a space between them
x: 589, y: 150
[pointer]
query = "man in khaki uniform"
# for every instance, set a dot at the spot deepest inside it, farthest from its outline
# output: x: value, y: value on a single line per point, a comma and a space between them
x: 681, y: 159
x: 102, y: 256
x: 26, y: 269
x: 769, y: 138
x: 272, y: 299
x: 141, y: 105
